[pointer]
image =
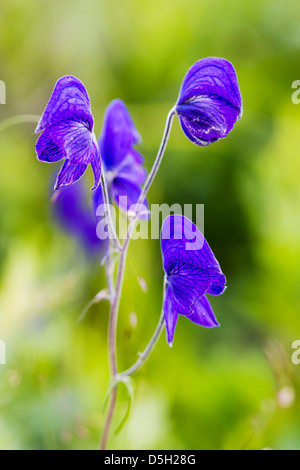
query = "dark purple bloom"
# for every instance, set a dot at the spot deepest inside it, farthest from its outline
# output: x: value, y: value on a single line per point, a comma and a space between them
x: 67, y: 125
x: 210, y: 101
x: 122, y: 162
x: 191, y: 272
x: 76, y: 218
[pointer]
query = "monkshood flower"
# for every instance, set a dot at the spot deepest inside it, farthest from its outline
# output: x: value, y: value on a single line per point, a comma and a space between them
x: 122, y: 162
x: 75, y: 216
x: 67, y: 124
x: 210, y: 101
x: 191, y: 272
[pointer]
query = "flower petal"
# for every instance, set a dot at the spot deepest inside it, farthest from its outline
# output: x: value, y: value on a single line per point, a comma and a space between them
x: 75, y: 139
x: 95, y: 163
x: 47, y: 150
x: 217, y: 286
x: 126, y: 194
x: 131, y: 170
x: 190, y: 265
x: 171, y: 316
x: 69, y: 174
x: 203, y: 314
x: 182, y: 241
x: 209, y: 102
x: 118, y: 135
x: 188, y: 284
x: 69, y: 101
x: 79, y: 145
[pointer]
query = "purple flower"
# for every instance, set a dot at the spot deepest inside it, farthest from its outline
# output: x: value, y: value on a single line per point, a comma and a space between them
x: 67, y: 125
x: 210, y: 101
x: 75, y: 216
x: 191, y: 272
x: 122, y: 162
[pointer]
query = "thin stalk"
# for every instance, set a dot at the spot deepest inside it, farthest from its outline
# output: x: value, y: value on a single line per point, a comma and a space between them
x: 145, y: 354
x: 110, y: 277
x: 111, y: 227
x: 109, y: 417
x: 158, y: 159
x: 120, y: 278
x: 112, y: 333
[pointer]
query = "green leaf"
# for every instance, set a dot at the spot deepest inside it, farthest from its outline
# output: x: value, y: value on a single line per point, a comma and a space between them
x: 128, y: 382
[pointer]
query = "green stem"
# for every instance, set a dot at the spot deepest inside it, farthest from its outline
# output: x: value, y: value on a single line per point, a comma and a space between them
x: 119, y: 283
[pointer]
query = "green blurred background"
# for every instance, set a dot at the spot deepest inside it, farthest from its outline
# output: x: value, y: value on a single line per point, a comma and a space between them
x: 234, y: 387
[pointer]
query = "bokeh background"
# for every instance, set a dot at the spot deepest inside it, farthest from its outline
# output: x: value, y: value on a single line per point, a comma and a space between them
x: 234, y: 387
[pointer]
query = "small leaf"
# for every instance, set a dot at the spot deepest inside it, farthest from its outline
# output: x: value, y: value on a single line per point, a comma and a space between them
x: 128, y: 382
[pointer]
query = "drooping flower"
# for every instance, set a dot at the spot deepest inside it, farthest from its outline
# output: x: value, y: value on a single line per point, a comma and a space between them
x: 210, y: 101
x: 75, y: 216
x: 191, y: 272
x: 67, y: 124
x: 122, y: 162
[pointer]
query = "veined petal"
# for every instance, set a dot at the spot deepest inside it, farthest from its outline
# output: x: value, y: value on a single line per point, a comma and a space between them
x: 191, y: 271
x: 209, y: 102
x: 182, y: 241
x: 69, y: 174
x: 188, y: 284
x: 218, y: 281
x: 203, y: 314
x: 75, y: 139
x: 69, y: 101
x: 68, y: 123
x: 207, y: 120
x: 79, y: 145
x: 118, y: 135
x: 170, y: 314
x: 47, y: 150
x: 95, y: 163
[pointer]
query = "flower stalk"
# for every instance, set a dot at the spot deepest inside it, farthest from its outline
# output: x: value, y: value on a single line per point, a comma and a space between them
x: 113, y: 317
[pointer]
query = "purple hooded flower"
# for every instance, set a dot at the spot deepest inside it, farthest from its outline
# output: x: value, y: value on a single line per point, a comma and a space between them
x: 67, y: 124
x: 75, y: 216
x: 122, y: 162
x: 210, y: 101
x: 191, y: 272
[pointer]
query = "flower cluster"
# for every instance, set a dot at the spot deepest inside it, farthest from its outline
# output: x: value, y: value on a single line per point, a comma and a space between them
x: 208, y: 106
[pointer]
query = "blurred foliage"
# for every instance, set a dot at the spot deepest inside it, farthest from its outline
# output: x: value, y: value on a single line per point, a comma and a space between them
x: 233, y: 387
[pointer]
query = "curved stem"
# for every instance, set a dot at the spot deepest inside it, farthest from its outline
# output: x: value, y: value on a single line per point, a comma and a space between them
x: 145, y: 354
x: 120, y: 277
x: 112, y: 330
x: 110, y: 278
x: 158, y: 159
x: 110, y: 413
x: 20, y: 119
x: 113, y: 234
